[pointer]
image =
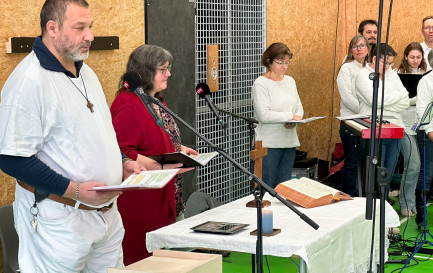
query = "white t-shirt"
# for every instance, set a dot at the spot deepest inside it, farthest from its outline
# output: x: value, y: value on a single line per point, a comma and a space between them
x: 276, y: 101
x: 426, y: 52
x: 42, y: 113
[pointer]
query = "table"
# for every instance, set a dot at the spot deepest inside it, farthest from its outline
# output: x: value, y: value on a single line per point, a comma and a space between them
x: 341, y: 244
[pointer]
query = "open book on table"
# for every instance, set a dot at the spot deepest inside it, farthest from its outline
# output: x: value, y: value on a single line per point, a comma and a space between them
x: 309, y: 193
x: 186, y: 160
x: 155, y: 179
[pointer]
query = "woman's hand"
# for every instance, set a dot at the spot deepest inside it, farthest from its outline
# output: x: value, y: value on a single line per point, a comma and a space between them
x: 130, y: 167
x: 296, y: 117
x: 430, y: 135
x: 188, y: 150
x: 290, y: 125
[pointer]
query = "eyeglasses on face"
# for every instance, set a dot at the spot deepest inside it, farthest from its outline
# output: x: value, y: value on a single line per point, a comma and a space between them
x: 386, y: 64
x: 360, y: 46
x: 430, y: 28
x: 282, y: 63
x: 164, y: 69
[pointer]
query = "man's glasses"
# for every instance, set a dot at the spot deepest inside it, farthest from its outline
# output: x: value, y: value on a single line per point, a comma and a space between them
x: 282, y: 63
x: 360, y: 46
x: 428, y: 28
x: 165, y: 69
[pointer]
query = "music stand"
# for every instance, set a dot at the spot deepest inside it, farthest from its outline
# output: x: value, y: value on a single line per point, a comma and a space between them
x: 425, y: 119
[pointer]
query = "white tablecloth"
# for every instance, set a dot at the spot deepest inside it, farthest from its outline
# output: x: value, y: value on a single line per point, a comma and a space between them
x: 341, y: 244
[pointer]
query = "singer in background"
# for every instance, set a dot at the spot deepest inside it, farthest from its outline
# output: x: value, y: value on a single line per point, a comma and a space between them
x: 423, y: 99
x: 275, y: 101
x: 395, y: 100
x: 138, y: 136
x: 412, y: 63
x: 356, y: 59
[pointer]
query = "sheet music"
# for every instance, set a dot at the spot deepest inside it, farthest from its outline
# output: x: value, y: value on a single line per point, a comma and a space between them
x: 305, y: 120
x: 352, y: 117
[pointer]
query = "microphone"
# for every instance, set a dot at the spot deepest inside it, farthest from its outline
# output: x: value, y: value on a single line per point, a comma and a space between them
x: 203, y: 92
x: 132, y: 81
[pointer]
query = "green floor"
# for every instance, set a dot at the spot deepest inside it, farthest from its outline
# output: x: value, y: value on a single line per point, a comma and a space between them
x: 241, y: 262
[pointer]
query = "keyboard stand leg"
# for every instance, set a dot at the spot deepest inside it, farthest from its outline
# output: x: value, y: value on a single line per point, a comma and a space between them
x: 359, y: 165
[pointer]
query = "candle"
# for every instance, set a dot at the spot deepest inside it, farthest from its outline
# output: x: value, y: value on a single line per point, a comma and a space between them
x: 267, y: 222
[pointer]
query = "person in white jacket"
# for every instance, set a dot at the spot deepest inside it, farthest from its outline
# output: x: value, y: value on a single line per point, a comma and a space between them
x: 412, y: 63
x: 425, y: 145
x: 276, y: 101
x: 427, y: 32
x: 395, y: 100
x: 356, y: 59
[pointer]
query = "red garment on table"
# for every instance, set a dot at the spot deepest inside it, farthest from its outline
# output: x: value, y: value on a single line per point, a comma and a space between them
x: 142, y: 210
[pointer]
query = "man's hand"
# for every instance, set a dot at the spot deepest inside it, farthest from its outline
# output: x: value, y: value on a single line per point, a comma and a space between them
x: 87, y: 196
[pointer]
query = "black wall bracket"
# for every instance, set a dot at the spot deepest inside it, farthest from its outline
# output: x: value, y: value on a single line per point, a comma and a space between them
x: 24, y: 44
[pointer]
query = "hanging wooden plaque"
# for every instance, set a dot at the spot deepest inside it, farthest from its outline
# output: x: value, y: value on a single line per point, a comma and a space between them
x: 212, y: 67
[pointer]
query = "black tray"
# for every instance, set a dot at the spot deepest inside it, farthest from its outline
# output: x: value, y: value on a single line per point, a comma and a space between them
x: 219, y: 227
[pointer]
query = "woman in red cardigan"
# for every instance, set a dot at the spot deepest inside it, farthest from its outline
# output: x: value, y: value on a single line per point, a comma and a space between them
x: 139, y: 136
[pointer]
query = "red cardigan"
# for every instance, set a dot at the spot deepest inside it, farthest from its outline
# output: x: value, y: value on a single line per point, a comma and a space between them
x: 142, y: 210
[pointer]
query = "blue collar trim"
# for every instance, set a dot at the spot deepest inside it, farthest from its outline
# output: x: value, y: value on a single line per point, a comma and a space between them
x: 49, y: 61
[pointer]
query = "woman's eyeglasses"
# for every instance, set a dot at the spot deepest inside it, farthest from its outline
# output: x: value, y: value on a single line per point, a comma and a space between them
x: 282, y: 63
x: 165, y: 69
x: 360, y: 46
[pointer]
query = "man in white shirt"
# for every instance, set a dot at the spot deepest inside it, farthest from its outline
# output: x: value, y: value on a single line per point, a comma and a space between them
x: 427, y: 32
x: 57, y: 140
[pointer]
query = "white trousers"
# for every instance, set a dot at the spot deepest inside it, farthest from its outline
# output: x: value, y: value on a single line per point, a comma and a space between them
x: 67, y: 239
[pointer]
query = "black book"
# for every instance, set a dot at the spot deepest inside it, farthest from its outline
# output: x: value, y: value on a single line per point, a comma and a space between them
x: 186, y: 160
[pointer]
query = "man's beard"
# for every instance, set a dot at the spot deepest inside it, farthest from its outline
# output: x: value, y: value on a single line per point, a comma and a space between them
x: 72, y: 52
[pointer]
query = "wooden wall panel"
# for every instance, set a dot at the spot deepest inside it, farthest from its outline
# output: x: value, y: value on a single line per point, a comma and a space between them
x: 309, y: 29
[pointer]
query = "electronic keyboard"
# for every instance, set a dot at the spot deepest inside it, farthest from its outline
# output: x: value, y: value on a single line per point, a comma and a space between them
x: 362, y: 127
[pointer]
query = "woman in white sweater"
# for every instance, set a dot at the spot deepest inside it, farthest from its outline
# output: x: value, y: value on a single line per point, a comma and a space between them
x: 356, y: 59
x: 396, y: 99
x: 275, y: 101
x: 412, y: 63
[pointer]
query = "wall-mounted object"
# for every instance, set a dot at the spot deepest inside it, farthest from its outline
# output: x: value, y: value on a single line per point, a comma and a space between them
x: 24, y: 44
x: 212, y: 67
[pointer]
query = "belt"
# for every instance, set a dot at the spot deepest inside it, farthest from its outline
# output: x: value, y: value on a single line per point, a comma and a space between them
x: 64, y: 200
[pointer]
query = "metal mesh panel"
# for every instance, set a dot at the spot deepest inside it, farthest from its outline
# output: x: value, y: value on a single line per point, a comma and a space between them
x: 238, y: 28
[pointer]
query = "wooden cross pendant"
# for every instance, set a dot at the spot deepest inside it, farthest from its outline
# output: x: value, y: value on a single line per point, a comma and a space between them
x: 90, y: 105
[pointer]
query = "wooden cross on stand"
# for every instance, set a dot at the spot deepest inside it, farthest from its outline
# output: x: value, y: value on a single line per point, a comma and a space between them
x: 257, y: 156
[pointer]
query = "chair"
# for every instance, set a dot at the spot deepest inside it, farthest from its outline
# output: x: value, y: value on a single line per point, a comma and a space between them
x: 9, y: 239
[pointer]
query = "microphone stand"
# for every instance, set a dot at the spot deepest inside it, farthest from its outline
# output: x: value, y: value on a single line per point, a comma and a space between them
x: 251, y: 126
x: 251, y: 177
x: 372, y: 159
x: 256, y: 191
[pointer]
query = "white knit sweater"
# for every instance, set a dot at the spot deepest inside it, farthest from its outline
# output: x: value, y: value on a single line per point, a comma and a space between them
x: 346, y: 86
x: 396, y: 97
x: 276, y: 101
